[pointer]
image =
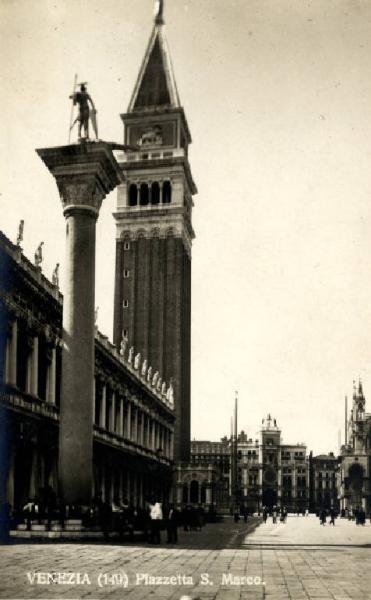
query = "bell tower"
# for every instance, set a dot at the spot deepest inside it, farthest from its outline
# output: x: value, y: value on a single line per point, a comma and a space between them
x: 154, y: 230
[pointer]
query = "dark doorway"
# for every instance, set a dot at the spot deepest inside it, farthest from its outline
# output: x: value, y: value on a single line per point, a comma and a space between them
x: 269, y: 498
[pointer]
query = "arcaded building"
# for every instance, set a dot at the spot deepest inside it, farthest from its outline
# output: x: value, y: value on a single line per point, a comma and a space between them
x: 133, y: 419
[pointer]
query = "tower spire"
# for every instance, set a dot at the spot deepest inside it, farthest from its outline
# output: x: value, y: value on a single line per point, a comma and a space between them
x: 159, y: 12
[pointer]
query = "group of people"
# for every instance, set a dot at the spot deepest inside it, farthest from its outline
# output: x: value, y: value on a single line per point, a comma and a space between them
x: 324, y: 513
x: 120, y: 517
x: 358, y: 514
x: 276, y: 512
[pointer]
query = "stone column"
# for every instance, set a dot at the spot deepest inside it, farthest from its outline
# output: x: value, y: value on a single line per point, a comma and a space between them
x: 128, y: 421
x: 153, y: 435
x: 85, y: 173
x: 51, y: 376
x: 112, y: 412
x: 134, y: 433
x: 94, y: 400
x: 103, y: 407
x: 121, y: 417
x: 208, y: 494
x: 11, y: 354
x: 171, y: 455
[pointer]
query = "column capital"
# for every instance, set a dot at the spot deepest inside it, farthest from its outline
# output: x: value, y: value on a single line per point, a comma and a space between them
x: 85, y: 173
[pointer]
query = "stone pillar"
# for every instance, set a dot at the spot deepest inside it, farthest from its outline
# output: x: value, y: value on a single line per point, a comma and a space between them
x: 179, y: 493
x: 103, y: 402
x: 13, y: 354
x: 208, y: 494
x: 121, y: 417
x: 279, y: 485
x: 128, y: 421
x: 33, y: 365
x: 94, y: 400
x: 154, y: 435
x: 112, y: 413
x: 85, y: 173
x: 171, y: 455
x: 51, y: 377
x: 134, y: 433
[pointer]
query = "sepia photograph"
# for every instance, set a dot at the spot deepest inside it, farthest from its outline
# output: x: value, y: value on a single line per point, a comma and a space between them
x: 185, y: 263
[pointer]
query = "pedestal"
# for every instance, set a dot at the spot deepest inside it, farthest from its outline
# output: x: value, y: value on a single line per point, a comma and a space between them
x: 85, y: 173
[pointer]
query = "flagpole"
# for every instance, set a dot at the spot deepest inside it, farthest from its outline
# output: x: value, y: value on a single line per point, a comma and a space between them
x: 74, y: 88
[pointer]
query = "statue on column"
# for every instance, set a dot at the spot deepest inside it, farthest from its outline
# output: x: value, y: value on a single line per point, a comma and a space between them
x: 39, y: 254
x: 155, y: 378
x: 123, y: 344
x: 55, y: 276
x: 163, y: 388
x: 159, y: 383
x: 86, y: 112
x: 149, y: 375
x: 20, y: 232
x: 131, y: 355
x: 144, y: 367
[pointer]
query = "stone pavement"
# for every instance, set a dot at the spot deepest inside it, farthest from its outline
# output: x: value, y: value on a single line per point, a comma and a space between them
x: 297, y: 560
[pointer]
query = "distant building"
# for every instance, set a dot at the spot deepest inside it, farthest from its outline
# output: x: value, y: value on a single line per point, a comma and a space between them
x: 205, y: 454
x: 355, y: 469
x: 323, y: 481
x: 268, y: 472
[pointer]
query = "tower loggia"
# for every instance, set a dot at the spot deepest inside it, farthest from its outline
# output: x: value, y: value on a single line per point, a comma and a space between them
x: 154, y: 231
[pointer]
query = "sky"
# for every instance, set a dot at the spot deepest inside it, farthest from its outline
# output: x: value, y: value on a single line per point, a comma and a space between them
x: 277, y: 95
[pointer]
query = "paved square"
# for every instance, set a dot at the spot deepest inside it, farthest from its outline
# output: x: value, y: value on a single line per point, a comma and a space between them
x: 297, y: 560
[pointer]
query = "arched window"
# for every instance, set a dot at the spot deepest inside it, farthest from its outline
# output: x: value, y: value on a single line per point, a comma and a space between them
x: 133, y: 195
x: 193, y: 492
x: 166, y: 192
x: 144, y: 194
x: 155, y: 193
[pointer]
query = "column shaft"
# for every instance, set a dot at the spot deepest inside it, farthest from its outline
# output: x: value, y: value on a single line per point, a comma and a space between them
x: 76, y: 432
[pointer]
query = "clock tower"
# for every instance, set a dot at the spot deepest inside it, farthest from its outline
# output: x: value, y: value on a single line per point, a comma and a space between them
x: 154, y: 231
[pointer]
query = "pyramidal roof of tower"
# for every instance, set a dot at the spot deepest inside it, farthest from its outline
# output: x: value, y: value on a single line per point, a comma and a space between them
x: 155, y: 86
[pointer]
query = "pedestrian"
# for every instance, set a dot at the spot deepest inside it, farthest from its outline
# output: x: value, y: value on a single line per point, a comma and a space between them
x: 172, y: 523
x: 155, y: 514
x: 332, y: 516
x: 274, y: 514
x: 29, y: 510
x: 265, y: 515
x: 323, y: 517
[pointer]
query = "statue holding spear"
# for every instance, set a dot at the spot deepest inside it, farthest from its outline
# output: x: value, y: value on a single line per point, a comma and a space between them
x: 86, y: 110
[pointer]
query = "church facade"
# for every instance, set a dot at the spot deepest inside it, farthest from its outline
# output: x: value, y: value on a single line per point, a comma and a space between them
x: 355, y: 466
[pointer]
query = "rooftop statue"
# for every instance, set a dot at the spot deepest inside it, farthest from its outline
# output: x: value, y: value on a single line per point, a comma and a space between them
x: 144, y: 367
x: 123, y: 344
x: 39, y: 254
x: 55, y: 275
x: 137, y: 360
x: 20, y: 232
